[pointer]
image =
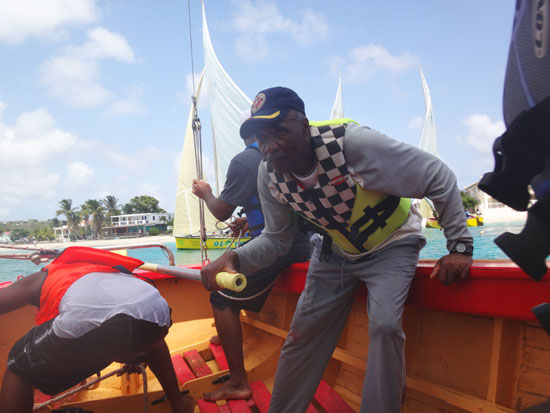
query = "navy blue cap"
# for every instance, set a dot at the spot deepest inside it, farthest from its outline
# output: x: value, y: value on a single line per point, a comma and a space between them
x: 270, y: 106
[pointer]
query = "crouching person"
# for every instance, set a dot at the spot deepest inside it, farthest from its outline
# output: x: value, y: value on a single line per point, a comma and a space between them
x: 91, y: 312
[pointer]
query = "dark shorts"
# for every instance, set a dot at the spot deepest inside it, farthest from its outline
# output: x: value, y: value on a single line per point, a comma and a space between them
x: 54, y: 364
x: 260, y: 283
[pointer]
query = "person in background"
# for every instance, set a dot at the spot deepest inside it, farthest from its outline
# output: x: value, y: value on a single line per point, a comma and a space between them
x: 90, y: 314
x: 355, y: 183
x: 240, y: 189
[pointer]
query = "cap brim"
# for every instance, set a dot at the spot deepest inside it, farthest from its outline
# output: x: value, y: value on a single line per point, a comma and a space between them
x: 249, y: 127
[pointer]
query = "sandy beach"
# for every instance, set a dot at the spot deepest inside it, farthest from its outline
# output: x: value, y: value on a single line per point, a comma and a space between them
x: 162, y: 239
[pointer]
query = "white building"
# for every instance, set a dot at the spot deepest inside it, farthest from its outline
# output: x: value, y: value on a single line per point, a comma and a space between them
x: 491, y: 209
x: 136, y: 225
x: 148, y: 218
x: 62, y: 234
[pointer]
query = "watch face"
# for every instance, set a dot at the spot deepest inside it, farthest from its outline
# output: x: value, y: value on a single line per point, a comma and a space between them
x: 460, y: 247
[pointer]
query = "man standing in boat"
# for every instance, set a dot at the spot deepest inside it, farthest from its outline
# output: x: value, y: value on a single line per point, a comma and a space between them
x: 355, y: 184
x: 241, y: 189
x: 90, y: 314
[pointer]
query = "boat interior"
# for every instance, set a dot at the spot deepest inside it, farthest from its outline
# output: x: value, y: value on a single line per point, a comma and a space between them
x: 471, y: 347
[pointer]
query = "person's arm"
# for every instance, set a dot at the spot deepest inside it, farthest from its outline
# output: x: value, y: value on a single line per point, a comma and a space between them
x: 262, y: 251
x: 277, y: 235
x: 389, y: 166
x: 25, y: 291
x: 220, y: 209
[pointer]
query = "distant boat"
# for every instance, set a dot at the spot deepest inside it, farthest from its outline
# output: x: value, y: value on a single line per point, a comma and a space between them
x: 471, y: 222
x: 428, y: 143
x: 226, y: 103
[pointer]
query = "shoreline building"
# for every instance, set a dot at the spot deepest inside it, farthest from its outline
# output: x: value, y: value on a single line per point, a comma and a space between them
x: 491, y: 209
x: 136, y: 225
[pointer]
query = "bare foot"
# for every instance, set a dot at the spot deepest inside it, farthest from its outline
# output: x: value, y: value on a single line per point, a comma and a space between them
x: 215, y: 340
x: 230, y: 390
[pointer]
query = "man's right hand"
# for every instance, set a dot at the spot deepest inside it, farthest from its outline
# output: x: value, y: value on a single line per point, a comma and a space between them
x: 201, y: 188
x: 226, y: 263
x: 239, y: 226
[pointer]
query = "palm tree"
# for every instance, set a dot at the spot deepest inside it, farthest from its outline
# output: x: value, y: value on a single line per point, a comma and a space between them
x: 96, y: 211
x: 111, y: 205
x: 71, y: 215
x: 85, y: 215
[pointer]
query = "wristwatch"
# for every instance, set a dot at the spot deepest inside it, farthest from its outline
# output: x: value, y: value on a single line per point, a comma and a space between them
x: 463, y: 248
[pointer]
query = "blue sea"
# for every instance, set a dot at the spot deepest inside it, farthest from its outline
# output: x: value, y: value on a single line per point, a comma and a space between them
x: 484, y: 248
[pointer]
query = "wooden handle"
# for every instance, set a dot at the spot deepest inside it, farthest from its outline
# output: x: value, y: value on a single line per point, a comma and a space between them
x: 233, y: 282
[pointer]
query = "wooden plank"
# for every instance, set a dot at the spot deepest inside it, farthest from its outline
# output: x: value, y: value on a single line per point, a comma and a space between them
x: 219, y: 356
x: 197, y: 364
x: 261, y: 396
x: 535, y: 336
x: 535, y: 381
x: 495, y: 359
x: 454, y: 397
x: 331, y: 401
x: 536, y: 357
x: 207, y: 407
x: 183, y: 372
x: 339, y: 354
x: 454, y: 350
x: 239, y: 406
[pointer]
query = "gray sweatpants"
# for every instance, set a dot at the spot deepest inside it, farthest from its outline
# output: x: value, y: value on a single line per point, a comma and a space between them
x: 321, y: 314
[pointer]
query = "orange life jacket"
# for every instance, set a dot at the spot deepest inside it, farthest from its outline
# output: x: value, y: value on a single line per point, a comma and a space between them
x: 73, y: 263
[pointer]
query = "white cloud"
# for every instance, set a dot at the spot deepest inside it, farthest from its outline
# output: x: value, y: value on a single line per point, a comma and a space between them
x: 74, y: 77
x: 29, y: 149
x: 42, y: 163
x: 79, y: 175
x: 482, y: 132
x: 257, y: 20
x: 131, y: 105
x: 103, y: 44
x: 252, y: 48
x: 74, y: 81
x: 416, y: 123
x: 363, y: 62
x: 32, y: 141
x: 20, y: 19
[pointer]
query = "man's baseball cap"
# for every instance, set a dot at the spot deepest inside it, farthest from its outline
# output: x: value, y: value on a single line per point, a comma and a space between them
x: 270, y: 106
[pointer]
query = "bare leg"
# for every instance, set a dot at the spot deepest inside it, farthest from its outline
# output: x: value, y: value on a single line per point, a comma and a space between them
x: 16, y: 395
x: 158, y: 359
x: 230, y: 335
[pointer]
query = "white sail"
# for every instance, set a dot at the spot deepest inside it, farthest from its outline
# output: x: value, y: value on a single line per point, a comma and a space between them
x: 428, y: 141
x: 337, y: 111
x: 186, y: 216
x: 226, y: 102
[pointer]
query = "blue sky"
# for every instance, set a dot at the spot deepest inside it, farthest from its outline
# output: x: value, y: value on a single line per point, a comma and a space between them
x: 94, y: 96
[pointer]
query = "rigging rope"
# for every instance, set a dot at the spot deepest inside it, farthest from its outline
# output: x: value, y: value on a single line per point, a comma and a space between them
x: 37, y: 256
x: 124, y: 369
x: 197, y: 140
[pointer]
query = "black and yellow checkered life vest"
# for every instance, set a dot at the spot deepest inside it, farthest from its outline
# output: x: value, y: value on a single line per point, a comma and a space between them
x: 356, y: 219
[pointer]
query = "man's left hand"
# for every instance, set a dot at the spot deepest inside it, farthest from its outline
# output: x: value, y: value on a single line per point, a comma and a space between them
x: 451, y: 268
